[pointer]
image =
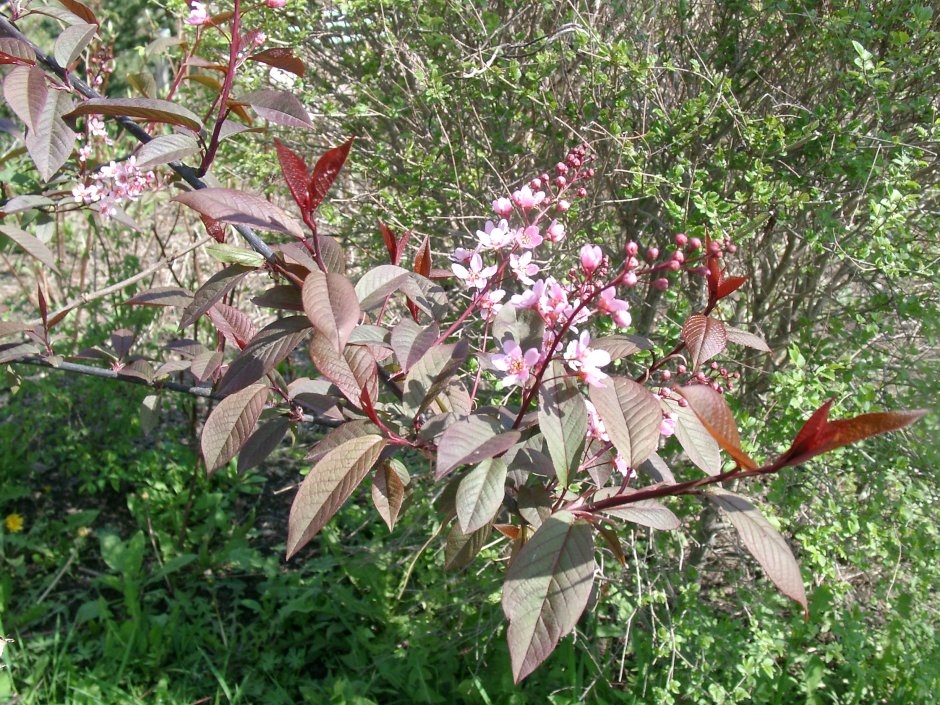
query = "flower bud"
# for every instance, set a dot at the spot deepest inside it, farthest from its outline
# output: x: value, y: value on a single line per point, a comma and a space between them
x: 633, y: 263
x: 560, y: 181
x: 695, y: 244
x: 561, y: 168
x: 674, y: 265
x: 682, y: 369
x: 630, y: 279
x: 562, y: 206
x: 679, y: 256
x: 682, y: 239
x: 714, y: 247
x: 582, y: 192
x: 652, y: 253
x: 275, y: 4
x: 632, y: 248
x: 662, y: 283
x: 591, y: 258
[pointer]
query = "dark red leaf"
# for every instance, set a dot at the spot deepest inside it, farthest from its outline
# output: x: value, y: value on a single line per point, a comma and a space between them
x: 325, y: 173
x: 281, y: 58
x: 423, y: 259
x: 705, y: 338
x: 43, y: 308
x: 713, y: 277
x: 712, y: 410
x: 819, y: 435
x: 295, y: 173
x: 391, y: 244
x: 215, y: 229
x: 727, y: 286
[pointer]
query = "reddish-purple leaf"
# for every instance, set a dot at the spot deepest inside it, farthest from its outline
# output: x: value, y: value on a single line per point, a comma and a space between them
x: 423, y: 259
x: 43, y: 307
x: 80, y: 10
x: 232, y: 206
x: 205, y: 364
x: 646, y: 512
x: 377, y: 283
x: 262, y: 354
x: 331, y: 305
x: 72, y: 42
x: 15, y: 51
x: 230, y: 424
x: 325, y: 173
x: 460, y: 549
x: 712, y: 410
x: 819, y: 435
x: 631, y: 415
x: 25, y: 91
x: 696, y: 441
x: 281, y: 296
x: 295, y: 173
x: 121, y: 342
x: 410, y: 341
x: 279, y: 107
x: 214, y: 228
x: 234, y: 325
x: 50, y: 141
x: 11, y: 327
x: 763, y: 542
x: 327, y: 487
x: 705, y: 338
x: 30, y: 245
x: 620, y: 346
x: 162, y: 296
x: 165, y: 149
x: 281, y: 58
x: 729, y: 285
x: 751, y: 340
x: 563, y: 420
x: 339, y: 435
x: 351, y: 371
x: 391, y: 244
x: 14, y: 351
x: 547, y: 588
x: 139, y: 369
x: 148, y: 109
x: 431, y: 375
x: 480, y: 494
x: 262, y: 442
x: 218, y: 285
x: 388, y: 492
x: 471, y: 440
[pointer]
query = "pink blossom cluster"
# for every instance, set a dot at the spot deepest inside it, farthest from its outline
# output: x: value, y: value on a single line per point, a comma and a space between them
x: 112, y: 184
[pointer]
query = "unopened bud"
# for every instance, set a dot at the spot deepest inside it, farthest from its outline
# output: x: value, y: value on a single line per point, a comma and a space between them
x: 652, y: 253
x: 582, y: 192
x: 560, y: 181
x: 629, y: 279
x: 632, y: 248
x: 682, y: 239
x: 695, y: 244
x: 662, y: 283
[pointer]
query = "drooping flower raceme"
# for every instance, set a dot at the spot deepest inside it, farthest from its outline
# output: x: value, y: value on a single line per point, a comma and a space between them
x: 515, y: 363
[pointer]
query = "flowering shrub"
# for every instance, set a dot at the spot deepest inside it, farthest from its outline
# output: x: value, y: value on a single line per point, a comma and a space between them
x: 544, y: 426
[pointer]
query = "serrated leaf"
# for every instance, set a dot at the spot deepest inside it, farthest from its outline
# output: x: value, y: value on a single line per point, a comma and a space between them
x: 460, y: 549
x: 431, y: 375
x: 631, y: 415
x: 327, y: 487
x: 820, y: 435
x: 230, y: 254
x: 217, y: 286
x: 388, y: 493
x: 712, y: 410
x: 547, y: 588
x: 471, y: 440
x: 351, y: 371
x: 234, y: 325
x: 423, y: 259
x: 230, y: 424
x: 294, y: 171
x: 72, y: 42
x: 705, y: 338
x: 480, y: 494
x: 16, y: 51
x: 646, y: 512
x: 50, y: 141
x: 325, y: 172
x: 205, y: 364
x: 620, y: 346
x: 376, y: 284
x: 25, y: 91
x: 563, y: 420
x: 31, y: 246
x: 240, y: 208
x: 279, y: 107
x: 763, y: 542
x: 410, y: 341
x: 165, y: 149
x: 81, y: 10
x: 391, y: 243
x: 534, y: 504
x: 148, y: 109
x: 280, y: 58
x: 696, y: 441
x: 264, y: 441
x: 338, y: 436
x: 751, y: 340
x: 331, y: 305
x: 264, y: 352
x: 281, y: 296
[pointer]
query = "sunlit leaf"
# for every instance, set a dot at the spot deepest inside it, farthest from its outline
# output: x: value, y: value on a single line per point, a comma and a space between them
x: 563, y: 420
x: 71, y: 42
x: 270, y: 346
x: 50, y: 141
x: 331, y: 305
x: 25, y: 91
x: 282, y: 58
x: 411, y: 341
x: 30, y: 245
x: 712, y: 410
x: 480, y: 494
x: 148, y: 109
x: 217, y: 286
x: 751, y: 340
x: 325, y: 172
x: 471, y: 440
x: 230, y: 424
x: 696, y: 441
x: 631, y: 415
x: 460, y: 549
x: 431, y: 375
x: 705, y: 338
x: 240, y: 208
x: 279, y: 107
x: 165, y: 149
x: 388, y: 492
x: 645, y: 512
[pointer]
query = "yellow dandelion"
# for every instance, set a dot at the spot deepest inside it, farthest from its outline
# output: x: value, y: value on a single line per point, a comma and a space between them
x: 14, y: 523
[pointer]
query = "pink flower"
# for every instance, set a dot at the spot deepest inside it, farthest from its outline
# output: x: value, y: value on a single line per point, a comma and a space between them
x: 596, y: 428
x: 198, y: 14
x: 523, y: 267
x: 477, y: 275
x: 84, y: 152
x: 275, y: 4
x: 86, y: 193
x: 667, y: 426
x: 531, y: 297
x: 528, y: 237
x: 495, y: 237
x: 515, y: 363
x: 562, y: 206
x: 502, y: 207
x: 618, y: 309
x: 526, y: 200
x: 620, y: 465
x: 555, y: 232
x: 591, y: 258
x: 462, y: 255
x: 585, y: 361
x: 490, y: 304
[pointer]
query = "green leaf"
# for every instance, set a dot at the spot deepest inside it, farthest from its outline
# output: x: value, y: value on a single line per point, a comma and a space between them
x: 480, y: 494
x: 563, y: 420
x: 547, y: 588
x: 230, y: 254
x: 327, y: 487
